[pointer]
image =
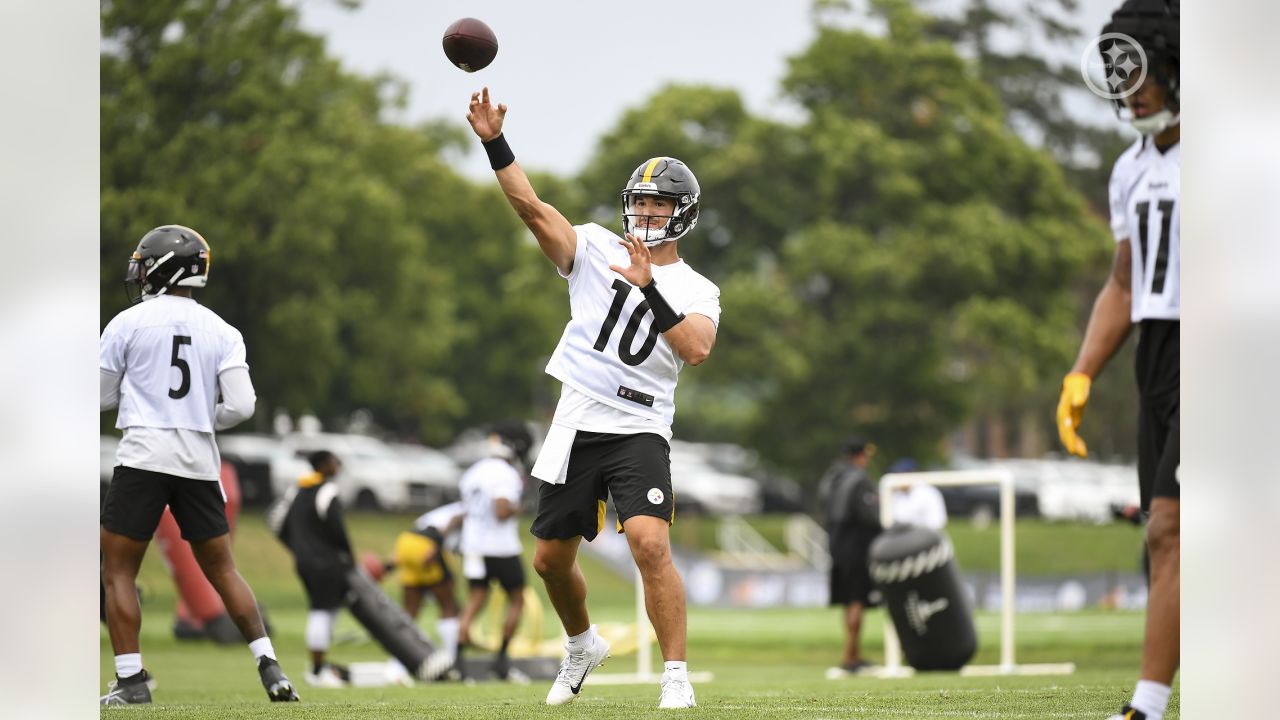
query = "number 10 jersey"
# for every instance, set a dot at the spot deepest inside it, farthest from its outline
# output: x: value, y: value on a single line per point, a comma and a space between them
x: 610, y: 350
x: 1146, y: 192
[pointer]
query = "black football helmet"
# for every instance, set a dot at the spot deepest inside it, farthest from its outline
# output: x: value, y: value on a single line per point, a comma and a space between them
x: 669, y: 178
x: 511, y: 439
x: 1153, y: 24
x: 168, y: 256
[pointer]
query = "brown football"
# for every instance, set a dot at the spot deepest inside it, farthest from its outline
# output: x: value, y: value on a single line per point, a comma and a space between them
x: 470, y: 44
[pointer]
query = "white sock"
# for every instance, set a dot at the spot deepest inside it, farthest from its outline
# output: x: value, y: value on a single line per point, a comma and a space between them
x: 128, y: 664
x: 319, y: 631
x: 582, y: 640
x: 448, y: 629
x: 1152, y: 698
x: 262, y: 646
x: 678, y: 669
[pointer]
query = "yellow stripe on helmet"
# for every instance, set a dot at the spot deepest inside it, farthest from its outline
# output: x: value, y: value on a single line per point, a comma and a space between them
x: 648, y: 170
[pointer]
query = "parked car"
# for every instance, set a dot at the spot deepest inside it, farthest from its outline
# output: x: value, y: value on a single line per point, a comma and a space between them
x: 433, y: 476
x: 1060, y: 489
x: 373, y: 476
x: 700, y: 487
x: 264, y: 466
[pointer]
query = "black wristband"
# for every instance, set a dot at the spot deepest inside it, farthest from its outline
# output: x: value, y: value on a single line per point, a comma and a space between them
x: 664, y: 318
x: 499, y: 152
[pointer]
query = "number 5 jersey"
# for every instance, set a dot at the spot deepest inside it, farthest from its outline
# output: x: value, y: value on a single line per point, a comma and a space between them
x: 1145, y: 195
x: 167, y: 353
x: 610, y: 351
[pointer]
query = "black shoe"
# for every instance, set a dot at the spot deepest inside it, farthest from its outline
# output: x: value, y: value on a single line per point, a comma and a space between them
x: 279, y: 689
x: 344, y: 672
x: 1128, y: 713
x: 501, y: 667
x: 132, y: 690
x: 857, y: 667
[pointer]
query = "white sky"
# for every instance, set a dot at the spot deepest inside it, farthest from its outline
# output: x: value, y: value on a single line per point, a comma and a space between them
x: 568, y: 68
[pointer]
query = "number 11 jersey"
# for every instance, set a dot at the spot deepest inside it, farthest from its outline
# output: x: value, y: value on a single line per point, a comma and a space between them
x: 610, y: 350
x: 1146, y: 192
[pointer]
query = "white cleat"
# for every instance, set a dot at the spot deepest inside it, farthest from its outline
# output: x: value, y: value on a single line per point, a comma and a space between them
x: 676, y: 693
x: 574, y: 670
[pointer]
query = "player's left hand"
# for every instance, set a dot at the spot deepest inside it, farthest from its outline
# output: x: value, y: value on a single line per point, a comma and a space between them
x: 640, y: 272
x: 1075, y: 393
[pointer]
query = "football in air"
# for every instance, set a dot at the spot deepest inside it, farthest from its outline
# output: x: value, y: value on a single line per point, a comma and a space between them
x: 470, y: 44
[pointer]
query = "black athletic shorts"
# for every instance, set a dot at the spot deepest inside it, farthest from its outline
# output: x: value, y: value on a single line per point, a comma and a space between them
x: 137, y: 498
x: 851, y: 571
x: 326, y: 584
x: 506, y: 571
x: 634, y: 469
x: 1159, y: 415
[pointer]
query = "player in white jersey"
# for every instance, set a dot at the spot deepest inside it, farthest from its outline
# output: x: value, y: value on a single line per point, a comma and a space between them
x: 490, y: 545
x: 177, y: 372
x: 638, y: 314
x: 1144, y: 290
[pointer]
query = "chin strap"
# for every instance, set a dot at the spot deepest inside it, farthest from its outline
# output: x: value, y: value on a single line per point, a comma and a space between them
x: 1155, y: 123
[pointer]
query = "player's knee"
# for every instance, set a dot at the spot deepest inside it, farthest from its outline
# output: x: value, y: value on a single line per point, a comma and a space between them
x: 1163, y: 532
x: 551, y: 567
x: 651, y: 553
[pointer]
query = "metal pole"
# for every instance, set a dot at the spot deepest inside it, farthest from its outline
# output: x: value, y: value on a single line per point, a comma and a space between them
x: 1006, y: 571
x: 892, y: 648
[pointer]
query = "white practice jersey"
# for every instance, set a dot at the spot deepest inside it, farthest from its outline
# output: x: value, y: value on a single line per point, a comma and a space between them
x: 440, y: 519
x: 168, y: 352
x: 1146, y: 191
x: 610, y: 351
x: 921, y: 505
x: 482, y: 532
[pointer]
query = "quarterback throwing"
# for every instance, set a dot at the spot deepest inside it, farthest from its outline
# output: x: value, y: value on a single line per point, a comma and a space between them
x: 638, y: 314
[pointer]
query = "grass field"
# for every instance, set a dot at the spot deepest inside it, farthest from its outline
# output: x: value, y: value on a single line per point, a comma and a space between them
x: 767, y: 663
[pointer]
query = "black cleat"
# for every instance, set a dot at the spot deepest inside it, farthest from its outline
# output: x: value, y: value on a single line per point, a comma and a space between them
x: 279, y: 689
x: 1128, y: 713
x: 133, y: 690
x: 501, y: 667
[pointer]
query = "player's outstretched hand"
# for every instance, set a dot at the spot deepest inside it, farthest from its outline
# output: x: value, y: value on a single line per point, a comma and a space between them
x: 484, y: 116
x: 1075, y: 393
x: 640, y: 271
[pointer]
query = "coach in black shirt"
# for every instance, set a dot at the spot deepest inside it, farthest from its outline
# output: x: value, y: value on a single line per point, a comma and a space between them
x: 850, y: 506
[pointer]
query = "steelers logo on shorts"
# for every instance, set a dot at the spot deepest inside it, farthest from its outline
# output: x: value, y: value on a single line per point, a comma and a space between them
x: 655, y: 496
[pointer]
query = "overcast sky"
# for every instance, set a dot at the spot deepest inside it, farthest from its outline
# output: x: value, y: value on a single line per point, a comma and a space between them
x: 568, y: 68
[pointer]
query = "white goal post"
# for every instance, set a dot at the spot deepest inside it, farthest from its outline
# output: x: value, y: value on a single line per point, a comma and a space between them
x: 893, y: 666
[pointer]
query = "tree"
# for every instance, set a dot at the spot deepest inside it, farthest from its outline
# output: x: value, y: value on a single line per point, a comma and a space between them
x: 347, y: 252
x: 894, y: 264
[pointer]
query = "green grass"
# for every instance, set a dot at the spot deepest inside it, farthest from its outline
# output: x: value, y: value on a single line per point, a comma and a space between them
x: 768, y: 663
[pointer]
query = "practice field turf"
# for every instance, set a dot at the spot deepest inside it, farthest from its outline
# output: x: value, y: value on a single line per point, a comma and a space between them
x: 768, y: 663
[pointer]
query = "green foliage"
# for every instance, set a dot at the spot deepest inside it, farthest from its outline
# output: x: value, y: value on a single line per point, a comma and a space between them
x: 899, y: 261
x: 896, y: 263
x: 362, y: 270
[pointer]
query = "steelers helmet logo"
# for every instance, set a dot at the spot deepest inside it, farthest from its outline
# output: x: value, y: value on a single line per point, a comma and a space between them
x: 655, y: 496
x: 1119, y: 60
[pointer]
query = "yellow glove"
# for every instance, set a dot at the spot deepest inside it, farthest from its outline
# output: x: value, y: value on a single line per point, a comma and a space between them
x: 1075, y: 393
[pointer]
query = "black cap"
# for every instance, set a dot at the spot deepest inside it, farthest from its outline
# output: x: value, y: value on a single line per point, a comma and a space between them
x: 856, y: 445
